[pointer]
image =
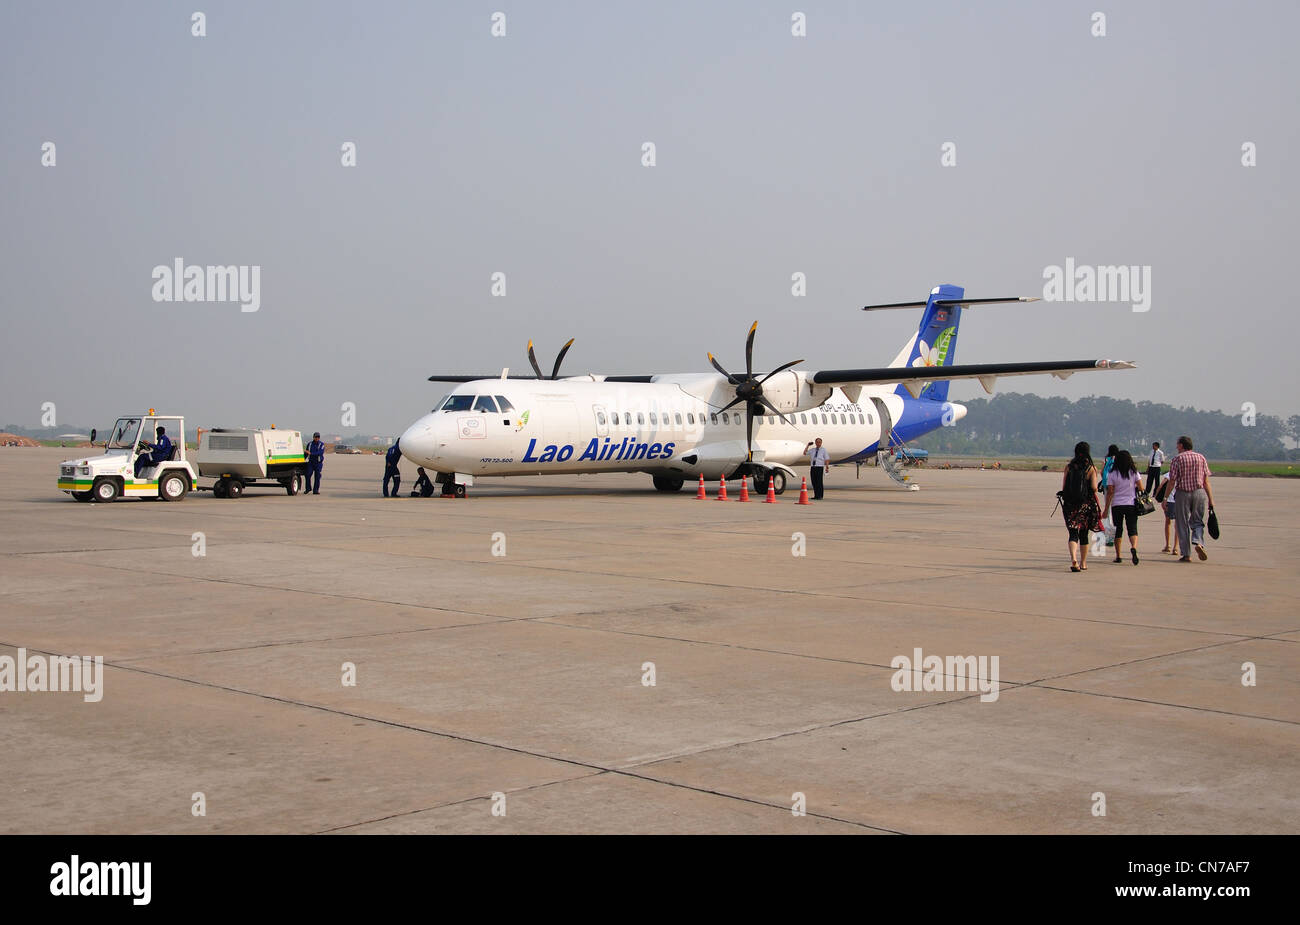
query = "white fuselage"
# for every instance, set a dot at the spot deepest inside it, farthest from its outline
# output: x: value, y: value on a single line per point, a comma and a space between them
x: 671, y: 426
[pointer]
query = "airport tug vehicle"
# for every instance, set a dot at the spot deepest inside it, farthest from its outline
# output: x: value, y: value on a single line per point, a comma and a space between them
x: 111, y: 475
x: 239, y: 457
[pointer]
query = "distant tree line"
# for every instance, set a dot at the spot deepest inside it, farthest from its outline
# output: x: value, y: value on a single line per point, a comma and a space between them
x: 1013, y: 424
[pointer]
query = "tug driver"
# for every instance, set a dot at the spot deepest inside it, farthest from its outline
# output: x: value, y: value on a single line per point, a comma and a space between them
x: 159, y: 450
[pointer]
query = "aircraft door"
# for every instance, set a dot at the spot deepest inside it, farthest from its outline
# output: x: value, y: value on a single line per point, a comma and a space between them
x: 886, y: 422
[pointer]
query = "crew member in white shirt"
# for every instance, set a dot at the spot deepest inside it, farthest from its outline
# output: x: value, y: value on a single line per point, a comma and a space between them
x: 819, y: 460
x: 1155, y: 462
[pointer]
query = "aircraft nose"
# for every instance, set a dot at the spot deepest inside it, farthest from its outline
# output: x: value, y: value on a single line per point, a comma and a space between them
x: 420, y: 443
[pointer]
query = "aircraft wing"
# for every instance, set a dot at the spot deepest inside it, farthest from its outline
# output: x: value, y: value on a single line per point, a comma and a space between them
x: 439, y: 377
x: 912, y: 377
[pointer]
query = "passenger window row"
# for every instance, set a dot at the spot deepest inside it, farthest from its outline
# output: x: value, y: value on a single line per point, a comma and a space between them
x: 675, y: 419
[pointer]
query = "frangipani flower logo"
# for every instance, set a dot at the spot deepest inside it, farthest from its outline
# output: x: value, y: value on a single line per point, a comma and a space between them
x: 523, y: 422
x: 928, y: 356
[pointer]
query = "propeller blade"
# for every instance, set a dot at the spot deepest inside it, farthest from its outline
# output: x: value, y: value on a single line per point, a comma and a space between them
x: 749, y: 351
x: 779, y: 369
x: 735, y: 401
x: 749, y: 430
x: 773, y: 409
x: 718, y: 367
x: 555, y: 373
x: 532, y: 358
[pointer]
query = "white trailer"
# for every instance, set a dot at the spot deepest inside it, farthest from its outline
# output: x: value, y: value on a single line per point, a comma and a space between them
x: 236, y: 457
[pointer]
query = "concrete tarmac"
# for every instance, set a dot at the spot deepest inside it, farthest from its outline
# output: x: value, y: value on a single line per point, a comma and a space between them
x: 487, y: 683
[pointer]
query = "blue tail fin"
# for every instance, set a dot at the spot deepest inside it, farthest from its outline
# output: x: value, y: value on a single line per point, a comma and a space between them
x: 935, y: 343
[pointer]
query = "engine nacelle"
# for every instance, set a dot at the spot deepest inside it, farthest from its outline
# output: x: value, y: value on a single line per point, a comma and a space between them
x: 792, y: 390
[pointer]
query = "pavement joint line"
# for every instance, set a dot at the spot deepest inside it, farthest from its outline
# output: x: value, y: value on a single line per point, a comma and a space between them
x: 628, y: 770
x: 814, y: 593
x: 346, y: 597
x: 816, y: 727
x: 1166, y: 703
x: 868, y: 601
x: 553, y: 621
x: 461, y: 802
x: 1145, y: 658
x: 510, y: 748
x: 619, y: 773
x: 310, y: 641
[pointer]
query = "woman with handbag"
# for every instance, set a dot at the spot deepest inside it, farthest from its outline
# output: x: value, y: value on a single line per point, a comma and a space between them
x: 1079, y: 504
x: 1121, y: 502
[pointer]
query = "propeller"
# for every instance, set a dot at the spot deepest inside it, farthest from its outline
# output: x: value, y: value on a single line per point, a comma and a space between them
x: 750, y: 390
x: 555, y: 372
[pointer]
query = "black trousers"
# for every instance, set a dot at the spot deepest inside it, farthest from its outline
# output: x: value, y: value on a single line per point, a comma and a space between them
x: 817, y: 472
x: 1153, y: 479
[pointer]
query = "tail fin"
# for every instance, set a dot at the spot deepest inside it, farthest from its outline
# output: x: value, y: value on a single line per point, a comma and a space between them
x: 935, y: 340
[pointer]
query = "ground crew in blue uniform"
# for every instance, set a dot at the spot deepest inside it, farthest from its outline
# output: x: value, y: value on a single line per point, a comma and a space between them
x: 315, y: 462
x: 159, y: 450
x: 391, y: 459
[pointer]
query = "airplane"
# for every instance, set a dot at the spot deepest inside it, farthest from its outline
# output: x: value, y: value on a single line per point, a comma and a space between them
x: 677, y: 427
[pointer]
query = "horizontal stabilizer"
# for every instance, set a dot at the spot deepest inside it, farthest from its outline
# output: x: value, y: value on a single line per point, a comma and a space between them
x: 964, y: 303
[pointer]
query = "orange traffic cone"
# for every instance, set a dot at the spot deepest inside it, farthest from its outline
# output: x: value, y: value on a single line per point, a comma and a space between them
x: 744, y: 489
x: 722, y: 489
x: 771, y: 491
x: 700, y: 495
x: 803, y: 493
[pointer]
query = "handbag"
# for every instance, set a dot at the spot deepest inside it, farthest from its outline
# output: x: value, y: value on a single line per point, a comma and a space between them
x: 1212, y: 525
x: 1162, y: 490
x: 1143, y: 503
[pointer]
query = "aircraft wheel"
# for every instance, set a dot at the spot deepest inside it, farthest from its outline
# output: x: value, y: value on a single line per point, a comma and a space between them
x: 669, y: 482
x: 460, y: 491
x: 778, y: 483
x: 760, y: 482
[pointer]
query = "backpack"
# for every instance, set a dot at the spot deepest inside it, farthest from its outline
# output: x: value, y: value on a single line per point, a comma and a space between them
x: 1076, y: 485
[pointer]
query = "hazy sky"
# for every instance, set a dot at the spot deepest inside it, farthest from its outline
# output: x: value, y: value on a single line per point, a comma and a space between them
x: 522, y: 154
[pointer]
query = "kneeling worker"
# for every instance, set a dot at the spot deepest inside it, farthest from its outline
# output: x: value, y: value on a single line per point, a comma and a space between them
x: 423, y: 487
x: 159, y: 450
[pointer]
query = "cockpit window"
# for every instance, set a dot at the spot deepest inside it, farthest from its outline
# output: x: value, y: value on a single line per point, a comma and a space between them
x: 458, y: 403
x: 485, y: 403
x: 505, y: 405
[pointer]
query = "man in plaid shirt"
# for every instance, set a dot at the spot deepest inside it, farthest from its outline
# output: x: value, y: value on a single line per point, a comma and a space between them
x: 1189, y: 474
